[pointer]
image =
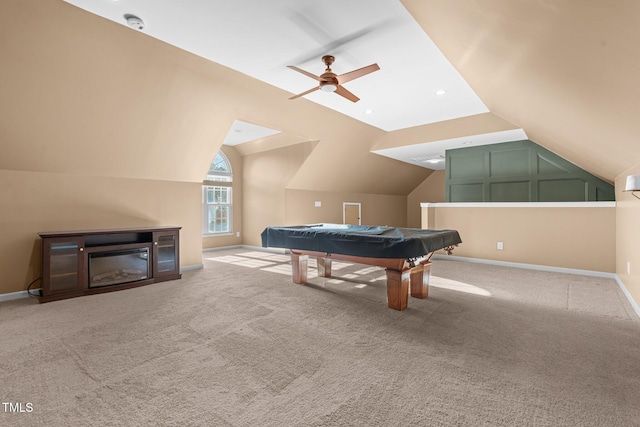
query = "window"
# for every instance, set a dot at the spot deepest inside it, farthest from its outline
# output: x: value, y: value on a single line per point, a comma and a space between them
x: 220, y: 169
x: 217, y: 200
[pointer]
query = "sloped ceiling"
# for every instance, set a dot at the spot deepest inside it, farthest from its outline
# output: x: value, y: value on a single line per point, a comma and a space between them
x: 562, y: 71
x: 83, y: 95
x: 565, y: 71
x: 260, y: 38
x: 88, y: 96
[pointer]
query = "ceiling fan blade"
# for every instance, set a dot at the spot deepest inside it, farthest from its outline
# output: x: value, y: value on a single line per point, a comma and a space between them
x: 304, y: 93
x: 311, y: 25
x: 343, y: 92
x: 351, y: 75
x: 306, y: 73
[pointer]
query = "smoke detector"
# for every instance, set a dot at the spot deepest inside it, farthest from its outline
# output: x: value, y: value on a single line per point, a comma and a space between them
x: 134, y: 22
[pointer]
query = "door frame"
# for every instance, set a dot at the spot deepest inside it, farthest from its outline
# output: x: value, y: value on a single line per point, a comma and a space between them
x: 344, y: 211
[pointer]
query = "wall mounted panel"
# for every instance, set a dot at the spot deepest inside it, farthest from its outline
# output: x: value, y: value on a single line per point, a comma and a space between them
x: 519, y: 171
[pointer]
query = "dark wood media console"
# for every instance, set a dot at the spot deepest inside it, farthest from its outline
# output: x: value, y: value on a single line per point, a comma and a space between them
x: 77, y: 263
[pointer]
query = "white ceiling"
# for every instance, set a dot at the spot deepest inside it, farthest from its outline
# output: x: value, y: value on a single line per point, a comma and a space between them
x: 260, y: 38
x: 241, y: 132
x: 431, y: 154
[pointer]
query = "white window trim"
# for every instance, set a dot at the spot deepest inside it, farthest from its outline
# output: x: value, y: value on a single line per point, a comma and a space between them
x: 205, y: 206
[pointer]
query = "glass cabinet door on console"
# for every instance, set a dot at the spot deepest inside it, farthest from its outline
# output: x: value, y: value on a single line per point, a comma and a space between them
x: 165, y: 253
x: 63, y: 265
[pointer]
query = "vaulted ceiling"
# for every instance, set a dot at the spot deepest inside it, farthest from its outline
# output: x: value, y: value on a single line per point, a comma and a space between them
x: 560, y: 73
x: 77, y: 87
x: 261, y: 38
x: 564, y: 71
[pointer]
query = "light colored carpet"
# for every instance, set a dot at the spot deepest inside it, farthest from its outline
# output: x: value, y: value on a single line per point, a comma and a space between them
x: 238, y: 344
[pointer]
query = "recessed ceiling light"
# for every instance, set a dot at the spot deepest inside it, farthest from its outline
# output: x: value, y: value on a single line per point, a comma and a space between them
x: 237, y: 130
x: 368, y: 111
x: 441, y: 92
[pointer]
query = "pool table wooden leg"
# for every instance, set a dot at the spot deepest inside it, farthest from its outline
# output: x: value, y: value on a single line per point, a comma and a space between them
x: 397, y: 288
x: 420, y: 276
x: 324, y: 266
x: 299, y: 267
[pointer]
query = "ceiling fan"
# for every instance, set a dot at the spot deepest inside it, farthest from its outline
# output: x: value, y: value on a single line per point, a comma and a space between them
x: 331, y: 82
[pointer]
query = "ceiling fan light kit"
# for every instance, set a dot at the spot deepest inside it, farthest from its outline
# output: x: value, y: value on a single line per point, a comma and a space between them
x: 328, y: 87
x: 331, y: 82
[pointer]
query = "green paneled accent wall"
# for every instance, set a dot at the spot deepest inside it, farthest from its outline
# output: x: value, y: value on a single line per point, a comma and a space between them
x: 520, y: 171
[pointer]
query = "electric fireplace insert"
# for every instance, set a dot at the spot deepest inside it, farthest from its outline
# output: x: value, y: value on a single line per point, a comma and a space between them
x: 114, y: 267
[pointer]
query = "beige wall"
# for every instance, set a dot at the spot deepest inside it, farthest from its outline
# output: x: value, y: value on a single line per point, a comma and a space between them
x: 431, y: 190
x: 269, y: 202
x: 40, y: 201
x: 628, y: 236
x: 568, y: 237
x: 265, y: 176
x: 376, y: 209
x: 468, y: 126
x: 85, y: 96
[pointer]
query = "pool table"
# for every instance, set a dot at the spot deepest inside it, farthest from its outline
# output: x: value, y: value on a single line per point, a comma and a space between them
x: 405, y: 253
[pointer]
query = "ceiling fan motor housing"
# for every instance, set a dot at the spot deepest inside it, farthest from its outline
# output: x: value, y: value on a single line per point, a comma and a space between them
x: 328, y: 60
x: 329, y: 82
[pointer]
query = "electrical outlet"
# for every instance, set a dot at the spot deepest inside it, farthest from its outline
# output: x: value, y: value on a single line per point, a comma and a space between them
x: 237, y: 234
x: 500, y: 246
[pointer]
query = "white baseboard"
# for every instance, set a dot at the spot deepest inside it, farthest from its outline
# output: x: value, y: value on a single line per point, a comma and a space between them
x: 24, y: 294
x: 528, y: 266
x: 191, y: 267
x: 271, y: 250
x: 592, y: 273
x: 253, y: 248
x: 627, y: 294
x: 625, y: 291
x: 222, y: 248
x: 17, y: 295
